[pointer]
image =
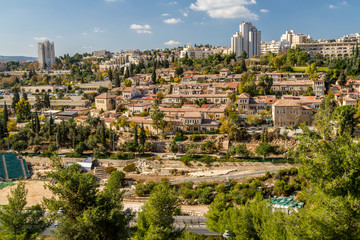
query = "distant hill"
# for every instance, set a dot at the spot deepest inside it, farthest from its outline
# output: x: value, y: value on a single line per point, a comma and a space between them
x: 17, y: 58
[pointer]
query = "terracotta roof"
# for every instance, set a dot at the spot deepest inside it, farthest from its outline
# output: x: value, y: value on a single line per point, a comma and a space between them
x: 105, y: 95
x: 192, y: 115
x: 244, y: 95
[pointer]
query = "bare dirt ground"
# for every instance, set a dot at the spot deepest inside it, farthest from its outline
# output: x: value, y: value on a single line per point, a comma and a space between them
x: 36, y: 192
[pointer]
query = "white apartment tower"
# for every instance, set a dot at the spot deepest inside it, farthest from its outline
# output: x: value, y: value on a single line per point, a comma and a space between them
x: 46, y: 54
x: 248, y: 39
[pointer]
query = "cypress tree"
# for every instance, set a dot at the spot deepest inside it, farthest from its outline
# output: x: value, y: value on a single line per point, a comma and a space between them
x: 103, y: 133
x: 37, y: 123
x: 142, y: 136
x: 6, y: 118
x: 136, y: 135
x: 25, y: 97
x: 153, y: 76
x: 116, y: 79
x: 110, y: 73
x: 15, y: 98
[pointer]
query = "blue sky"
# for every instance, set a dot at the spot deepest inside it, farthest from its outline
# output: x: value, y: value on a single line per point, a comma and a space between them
x: 89, y: 25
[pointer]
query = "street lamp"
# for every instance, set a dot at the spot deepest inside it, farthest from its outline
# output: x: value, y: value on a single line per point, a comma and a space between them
x: 226, y: 234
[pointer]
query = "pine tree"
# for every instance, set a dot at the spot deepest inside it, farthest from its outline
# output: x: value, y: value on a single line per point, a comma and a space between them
x: 18, y: 221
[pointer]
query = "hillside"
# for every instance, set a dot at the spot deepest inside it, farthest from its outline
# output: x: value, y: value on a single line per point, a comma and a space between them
x: 16, y: 58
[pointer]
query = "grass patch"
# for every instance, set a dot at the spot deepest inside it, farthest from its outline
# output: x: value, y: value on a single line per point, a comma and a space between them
x: 298, y: 69
x: 323, y: 69
x: 6, y: 184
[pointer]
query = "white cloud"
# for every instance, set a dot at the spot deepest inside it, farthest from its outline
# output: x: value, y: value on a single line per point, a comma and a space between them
x: 84, y: 34
x: 141, y: 29
x: 172, y: 20
x: 185, y: 14
x: 337, y: 5
x: 173, y: 3
x: 31, y: 45
x: 137, y: 26
x: 225, y: 8
x: 40, y: 38
x: 264, y: 10
x: 172, y: 42
x: 165, y: 14
x: 59, y: 36
x: 87, y: 47
x: 144, y: 31
x: 99, y: 30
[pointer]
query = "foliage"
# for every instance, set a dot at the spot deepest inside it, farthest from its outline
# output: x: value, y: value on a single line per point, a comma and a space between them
x: 156, y: 218
x: 87, y: 213
x: 130, y: 167
x: 20, y: 222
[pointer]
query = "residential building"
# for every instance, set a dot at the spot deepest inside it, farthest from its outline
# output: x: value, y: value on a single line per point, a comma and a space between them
x: 94, y: 86
x: 248, y: 39
x: 195, y: 53
x: 105, y: 101
x: 46, y: 54
x: 328, y: 49
x: 129, y: 93
x: 101, y: 54
x: 290, y: 112
x: 137, y: 108
x: 165, y: 73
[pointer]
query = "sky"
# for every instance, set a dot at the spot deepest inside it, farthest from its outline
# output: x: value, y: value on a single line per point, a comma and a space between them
x: 78, y: 26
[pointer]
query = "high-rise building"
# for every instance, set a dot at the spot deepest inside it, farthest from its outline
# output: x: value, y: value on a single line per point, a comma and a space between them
x: 248, y: 39
x: 46, y: 54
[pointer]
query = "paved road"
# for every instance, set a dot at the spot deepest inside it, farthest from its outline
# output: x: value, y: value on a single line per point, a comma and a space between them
x: 224, y: 177
x: 189, y: 223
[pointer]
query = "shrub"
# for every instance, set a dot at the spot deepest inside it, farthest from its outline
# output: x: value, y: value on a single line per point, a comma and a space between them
x: 130, y: 168
x: 73, y: 155
x: 46, y: 153
x: 205, y: 197
x: 110, y: 169
x: 144, y: 189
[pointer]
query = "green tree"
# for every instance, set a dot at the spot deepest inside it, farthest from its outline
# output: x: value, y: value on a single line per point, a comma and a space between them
x: 19, y: 146
x: 266, y: 83
x: 23, y: 110
x: 156, y: 218
x: 173, y: 147
x: 264, y: 149
x: 18, y: 222
x: 6, y: 117
x: 15, y: 98
x: 157, y: 117
x: 117, y: 80
x: 87, y: 212
x: 153, y: 76
x: 346, y: 119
